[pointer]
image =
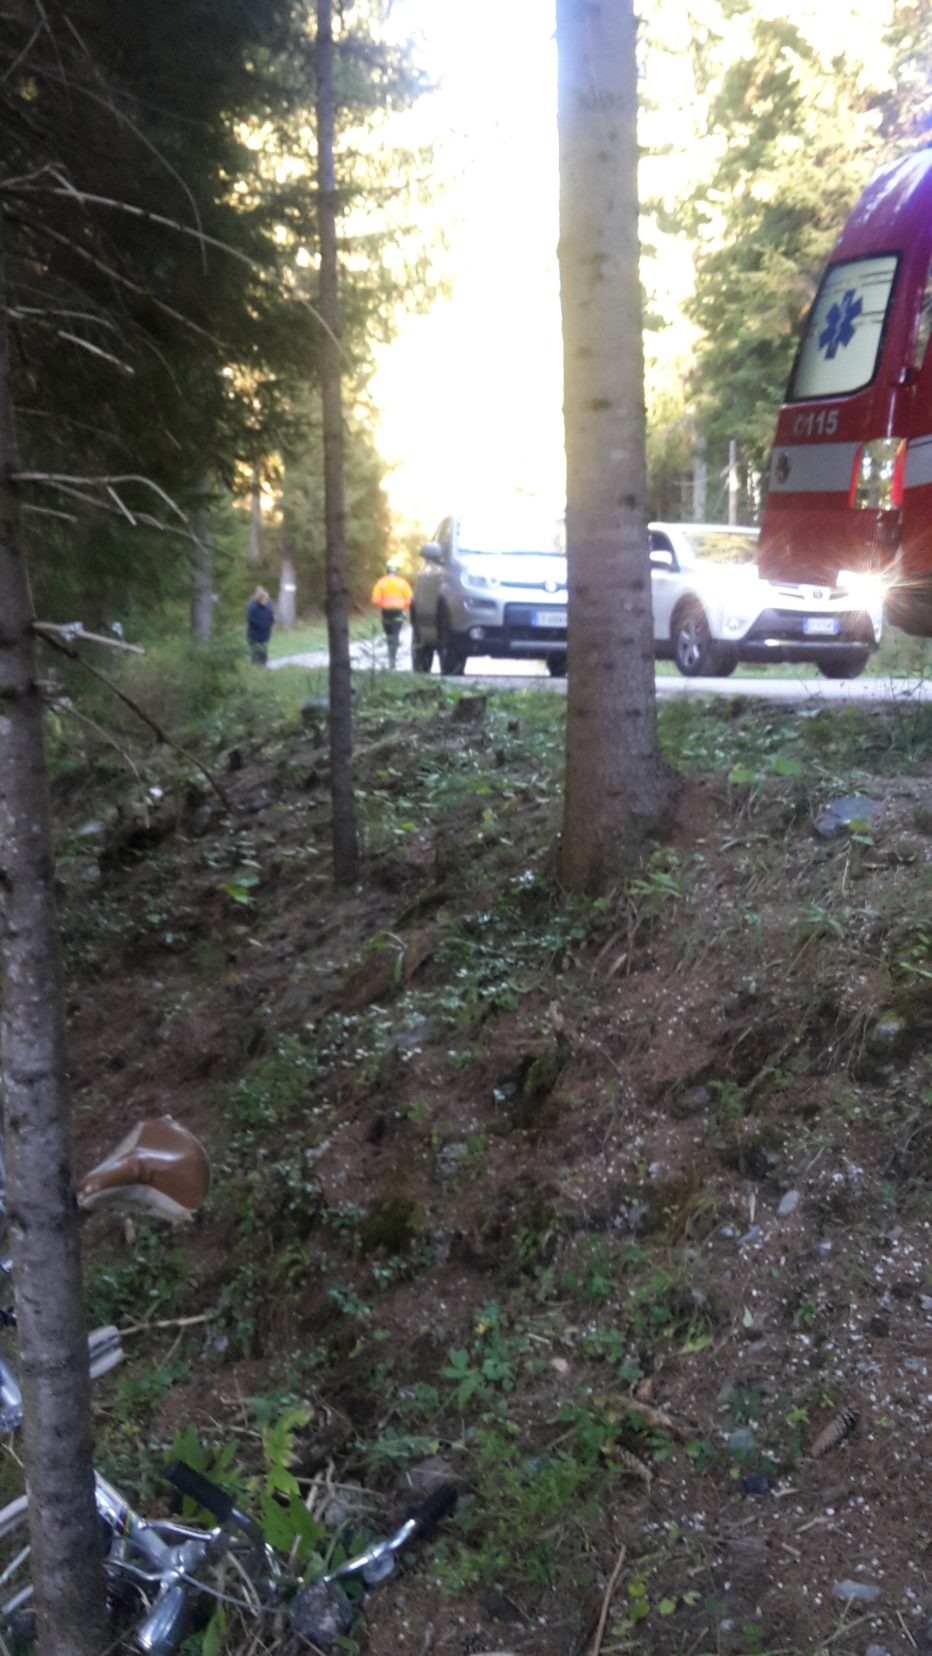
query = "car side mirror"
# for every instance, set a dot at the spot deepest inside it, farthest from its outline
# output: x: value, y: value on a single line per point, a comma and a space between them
x: 661, y: 559
x: 431, y: 552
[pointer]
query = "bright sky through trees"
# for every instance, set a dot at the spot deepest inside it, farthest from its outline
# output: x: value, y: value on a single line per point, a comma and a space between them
x: 470, y: 395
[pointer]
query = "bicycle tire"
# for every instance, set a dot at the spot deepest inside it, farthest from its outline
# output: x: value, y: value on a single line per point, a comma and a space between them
x: 244, y: 1577
x: 17, y: 1617
x: 17, y: 1620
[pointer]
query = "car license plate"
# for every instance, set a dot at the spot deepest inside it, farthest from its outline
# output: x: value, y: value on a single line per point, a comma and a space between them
x: 824, y: 625
x: 548, y: 618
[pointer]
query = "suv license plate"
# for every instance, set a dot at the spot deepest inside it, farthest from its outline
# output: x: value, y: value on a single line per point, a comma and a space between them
x: 548, y: 618
x: 824, y: 625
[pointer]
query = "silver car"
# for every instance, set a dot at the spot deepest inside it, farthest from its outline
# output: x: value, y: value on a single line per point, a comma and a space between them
x: 491, y: 589
x: 712, y: 607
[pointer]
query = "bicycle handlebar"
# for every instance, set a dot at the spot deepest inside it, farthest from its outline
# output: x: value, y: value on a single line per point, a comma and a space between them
x: 435, y: 1506
x: 322, y: 1613
x: 378, y: 1561
x: 208, y: 1495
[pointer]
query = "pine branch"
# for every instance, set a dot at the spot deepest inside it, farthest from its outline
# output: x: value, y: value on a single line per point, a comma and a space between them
x: 64, y: 189
x: 63, y: 705
x: 49, y: 511
x: 126, y: 282
x: 95, y: 350
x: 159, y: 732
x: 144, y: 520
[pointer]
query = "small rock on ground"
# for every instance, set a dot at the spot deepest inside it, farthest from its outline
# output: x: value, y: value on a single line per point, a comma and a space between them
x: 856, y: 1592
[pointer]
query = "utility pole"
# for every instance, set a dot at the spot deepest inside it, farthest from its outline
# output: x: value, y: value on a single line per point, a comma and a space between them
x: 733, y: 481
x: 700, y: 481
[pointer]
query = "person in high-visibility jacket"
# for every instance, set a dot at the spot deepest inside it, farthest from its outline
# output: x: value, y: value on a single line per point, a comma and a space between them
x: 392, y: 595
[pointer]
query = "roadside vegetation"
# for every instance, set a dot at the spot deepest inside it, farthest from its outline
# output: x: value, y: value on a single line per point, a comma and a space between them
x: 611, y: 1209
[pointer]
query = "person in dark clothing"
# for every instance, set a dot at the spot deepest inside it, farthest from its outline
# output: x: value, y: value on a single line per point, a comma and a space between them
x: 260, y: 619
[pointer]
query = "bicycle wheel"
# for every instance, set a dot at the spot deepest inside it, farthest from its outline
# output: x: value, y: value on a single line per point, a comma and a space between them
x: 125, y: 1601
x: 17, y: 1619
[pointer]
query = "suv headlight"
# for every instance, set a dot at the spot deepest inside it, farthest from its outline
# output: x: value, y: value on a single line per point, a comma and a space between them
x: 863, y: 586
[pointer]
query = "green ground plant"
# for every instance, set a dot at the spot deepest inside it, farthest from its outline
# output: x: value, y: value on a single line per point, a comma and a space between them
x: 141, y: 1283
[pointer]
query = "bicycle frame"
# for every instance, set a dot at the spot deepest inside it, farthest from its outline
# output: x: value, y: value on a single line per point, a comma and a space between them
x: 160, y: 1558
x: 173, y: 1553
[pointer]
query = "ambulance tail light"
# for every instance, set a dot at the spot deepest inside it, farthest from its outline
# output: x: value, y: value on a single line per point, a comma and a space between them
x: 877, y: 475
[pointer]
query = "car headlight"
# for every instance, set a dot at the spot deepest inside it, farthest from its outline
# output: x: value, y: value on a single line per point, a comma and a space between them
x: 472, y: 578
x: 865, y: 587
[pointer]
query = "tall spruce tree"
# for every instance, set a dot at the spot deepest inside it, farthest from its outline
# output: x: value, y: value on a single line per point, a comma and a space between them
x: 617, y: 789
x: 106, y: 279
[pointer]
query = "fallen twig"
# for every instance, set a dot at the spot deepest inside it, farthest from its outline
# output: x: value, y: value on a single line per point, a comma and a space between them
x: 607, y: 1601
x: 901, y: 1620
x: 70, y: 631
x: 166, y: 1322
x: 616, y: 1407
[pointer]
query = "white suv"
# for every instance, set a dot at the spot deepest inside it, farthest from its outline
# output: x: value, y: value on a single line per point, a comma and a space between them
x: 491, y: 589
x: 712, y: 608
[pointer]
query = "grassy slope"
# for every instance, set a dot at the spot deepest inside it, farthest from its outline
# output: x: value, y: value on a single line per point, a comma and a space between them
x: 498, y: 1176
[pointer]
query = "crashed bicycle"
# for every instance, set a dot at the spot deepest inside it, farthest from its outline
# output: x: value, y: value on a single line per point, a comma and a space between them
x: 166, y: 1578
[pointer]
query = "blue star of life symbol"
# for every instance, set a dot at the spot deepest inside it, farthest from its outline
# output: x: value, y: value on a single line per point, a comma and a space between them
x: 839, y: 324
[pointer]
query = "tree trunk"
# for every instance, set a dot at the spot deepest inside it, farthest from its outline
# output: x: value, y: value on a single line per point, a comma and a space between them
x: 617, y: 789
x: 43, y: 1220
x: 202, y: 578
x: 254, y: 549
x: 286, y: 609
x: 344, y: 837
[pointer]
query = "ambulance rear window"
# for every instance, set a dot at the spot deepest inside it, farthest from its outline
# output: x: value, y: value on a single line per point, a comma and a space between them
x: 841, y: 347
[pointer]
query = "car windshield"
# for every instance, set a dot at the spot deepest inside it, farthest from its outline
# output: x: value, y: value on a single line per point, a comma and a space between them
x: 723, y: 546
x: 505, y: 533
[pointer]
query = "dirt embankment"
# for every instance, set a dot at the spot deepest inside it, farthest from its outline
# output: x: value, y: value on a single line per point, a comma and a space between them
x: 619, y: 1211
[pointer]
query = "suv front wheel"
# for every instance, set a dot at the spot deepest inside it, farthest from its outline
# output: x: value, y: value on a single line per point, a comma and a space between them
x: 844, y: 664
x: 695, y: 651
x: 452, y: 650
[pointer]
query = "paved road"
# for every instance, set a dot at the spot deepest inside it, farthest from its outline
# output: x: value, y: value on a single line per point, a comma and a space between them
x: 533, y: 675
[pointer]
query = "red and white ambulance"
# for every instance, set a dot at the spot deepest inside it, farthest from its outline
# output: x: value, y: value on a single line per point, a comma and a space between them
x: 850, y: 492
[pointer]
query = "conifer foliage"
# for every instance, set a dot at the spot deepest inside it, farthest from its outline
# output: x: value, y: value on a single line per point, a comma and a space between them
x: 797, y: 138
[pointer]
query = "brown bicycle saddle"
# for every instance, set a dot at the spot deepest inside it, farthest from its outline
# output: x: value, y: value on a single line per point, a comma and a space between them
x: 160, y: 1166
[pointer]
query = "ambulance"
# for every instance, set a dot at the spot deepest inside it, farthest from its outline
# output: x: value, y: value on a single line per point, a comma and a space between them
x: 849, y: 503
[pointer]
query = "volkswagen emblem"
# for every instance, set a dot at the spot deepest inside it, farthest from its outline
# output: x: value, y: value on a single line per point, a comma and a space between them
x: 551, y: 586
